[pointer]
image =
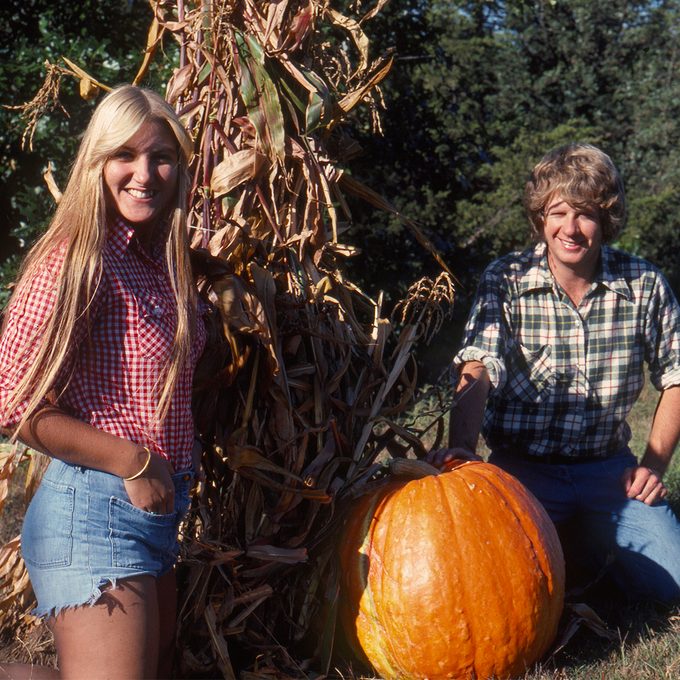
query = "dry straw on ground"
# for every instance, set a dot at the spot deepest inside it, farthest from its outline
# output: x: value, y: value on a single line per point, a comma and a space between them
x: 297, y: 394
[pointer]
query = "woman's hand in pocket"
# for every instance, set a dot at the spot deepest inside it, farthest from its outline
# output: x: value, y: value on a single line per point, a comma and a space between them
x: 153, y: 490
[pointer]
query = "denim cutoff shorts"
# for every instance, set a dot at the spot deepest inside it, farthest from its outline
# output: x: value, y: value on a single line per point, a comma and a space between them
x: 81, y: 533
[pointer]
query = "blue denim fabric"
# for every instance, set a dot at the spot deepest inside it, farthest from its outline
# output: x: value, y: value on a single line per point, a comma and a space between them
x: 81, y: 533
x: 588, y: 498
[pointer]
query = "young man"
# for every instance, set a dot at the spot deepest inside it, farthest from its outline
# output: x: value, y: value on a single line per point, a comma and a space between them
x: 553, y: 359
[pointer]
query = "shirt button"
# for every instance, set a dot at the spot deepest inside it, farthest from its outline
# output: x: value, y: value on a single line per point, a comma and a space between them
x: 157, y: 311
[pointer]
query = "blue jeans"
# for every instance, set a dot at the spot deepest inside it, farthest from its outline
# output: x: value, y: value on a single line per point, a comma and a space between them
x: 587, y: 502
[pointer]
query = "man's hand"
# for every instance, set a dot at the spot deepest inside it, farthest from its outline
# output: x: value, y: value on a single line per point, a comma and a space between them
x: 441, y: 457
x: 644, y: 484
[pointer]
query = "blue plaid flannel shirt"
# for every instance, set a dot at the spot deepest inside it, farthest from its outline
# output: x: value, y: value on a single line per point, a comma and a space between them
x: 564, y: 379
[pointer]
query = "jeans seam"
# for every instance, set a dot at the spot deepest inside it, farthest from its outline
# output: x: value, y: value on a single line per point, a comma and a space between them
x: 88, y: 482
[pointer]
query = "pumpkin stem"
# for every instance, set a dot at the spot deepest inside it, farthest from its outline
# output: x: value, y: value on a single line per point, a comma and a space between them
x: 412, y: 468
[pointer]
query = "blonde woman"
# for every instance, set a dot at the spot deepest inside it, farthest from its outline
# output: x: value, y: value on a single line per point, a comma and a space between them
x: 97, y: 355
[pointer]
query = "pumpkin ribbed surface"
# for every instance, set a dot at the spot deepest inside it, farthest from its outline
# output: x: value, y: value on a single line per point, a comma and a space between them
x: 457, y: 575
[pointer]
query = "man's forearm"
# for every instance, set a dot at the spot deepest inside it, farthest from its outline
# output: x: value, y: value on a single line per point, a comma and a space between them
x: 665, y: 431
x: 466, y: 416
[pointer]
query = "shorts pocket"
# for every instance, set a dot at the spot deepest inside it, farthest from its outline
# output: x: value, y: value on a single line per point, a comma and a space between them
x: 47, y: 533
x: 140, y: 539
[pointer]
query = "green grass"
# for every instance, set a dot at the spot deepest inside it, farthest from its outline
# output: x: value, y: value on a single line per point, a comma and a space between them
x: 647, y: 647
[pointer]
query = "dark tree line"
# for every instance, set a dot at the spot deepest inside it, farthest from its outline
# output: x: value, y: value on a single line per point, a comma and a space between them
x: 481, y: 89
x: 105, y: 38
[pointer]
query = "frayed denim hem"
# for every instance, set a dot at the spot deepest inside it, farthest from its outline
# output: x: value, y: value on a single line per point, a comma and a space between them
x: 53, y: 612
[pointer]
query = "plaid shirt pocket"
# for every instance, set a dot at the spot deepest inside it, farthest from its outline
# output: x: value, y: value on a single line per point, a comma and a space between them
x: 530, y: 374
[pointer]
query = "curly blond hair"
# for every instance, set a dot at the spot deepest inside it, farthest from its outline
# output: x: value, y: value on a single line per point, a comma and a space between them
x: 583, y: 176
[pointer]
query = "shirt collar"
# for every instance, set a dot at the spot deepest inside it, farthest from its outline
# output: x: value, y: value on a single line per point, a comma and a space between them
x: 121, y: 235
x: 539, y: 277
x: 610, y: 274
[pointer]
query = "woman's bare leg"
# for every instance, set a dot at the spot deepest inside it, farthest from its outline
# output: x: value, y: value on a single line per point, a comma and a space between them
x: 128, y: 634
x: 117, y: 637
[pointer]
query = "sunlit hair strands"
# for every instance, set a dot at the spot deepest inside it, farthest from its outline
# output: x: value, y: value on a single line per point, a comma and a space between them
x: 79, y: 223
x: 585, y: 177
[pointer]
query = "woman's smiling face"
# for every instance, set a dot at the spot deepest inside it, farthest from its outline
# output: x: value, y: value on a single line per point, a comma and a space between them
x: 573, y: 237
x: 140, y: 179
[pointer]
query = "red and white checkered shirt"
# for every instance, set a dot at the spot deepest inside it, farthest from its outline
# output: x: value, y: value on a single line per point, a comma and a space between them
x: 112, y: 371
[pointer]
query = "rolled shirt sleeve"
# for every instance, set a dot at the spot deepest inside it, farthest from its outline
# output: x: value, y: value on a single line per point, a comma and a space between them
x: 662, y: 336
x: 486, y: 331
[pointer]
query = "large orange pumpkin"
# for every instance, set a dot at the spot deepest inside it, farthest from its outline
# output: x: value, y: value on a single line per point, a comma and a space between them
x: 455, y: 575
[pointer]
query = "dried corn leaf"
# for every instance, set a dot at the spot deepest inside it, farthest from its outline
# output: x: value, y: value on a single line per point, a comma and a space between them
x: 51, y: 183
x: 272, y: 553
x: 237, y: 168
x: 180, y: 81
x: 353, y: 27
x: 380, y: 71
x: 8, y: 464
x: 318, y: 106
x: 261, y: 98
x: 248, y: 457
x: 14, y: 581
x: 91, y: 84
x: 153, y: 39
x: 219, y: 645
x: 88, y: 90
x: 36, y: 469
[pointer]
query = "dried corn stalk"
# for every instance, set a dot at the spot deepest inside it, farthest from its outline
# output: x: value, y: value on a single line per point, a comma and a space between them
x: 16, y: 594
x: 297, y: 404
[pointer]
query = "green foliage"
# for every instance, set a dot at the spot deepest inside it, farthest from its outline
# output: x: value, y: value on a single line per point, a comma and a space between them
x: 107, y: 40
x: 480, y: 90
x: 653, y: 231
x: 494, y: 222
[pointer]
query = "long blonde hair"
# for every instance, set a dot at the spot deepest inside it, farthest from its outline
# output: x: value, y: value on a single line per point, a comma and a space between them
x: 80, y: 222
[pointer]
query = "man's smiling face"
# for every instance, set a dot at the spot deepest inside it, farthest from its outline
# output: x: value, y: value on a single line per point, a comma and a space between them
x: 573, y: 236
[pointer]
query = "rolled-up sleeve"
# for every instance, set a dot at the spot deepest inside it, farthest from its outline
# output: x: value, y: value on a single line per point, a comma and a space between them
x: 663, y: 336
x: 486, y: 331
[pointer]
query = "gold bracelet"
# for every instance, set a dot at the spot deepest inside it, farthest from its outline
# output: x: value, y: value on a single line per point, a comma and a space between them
x: 143, y: 470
